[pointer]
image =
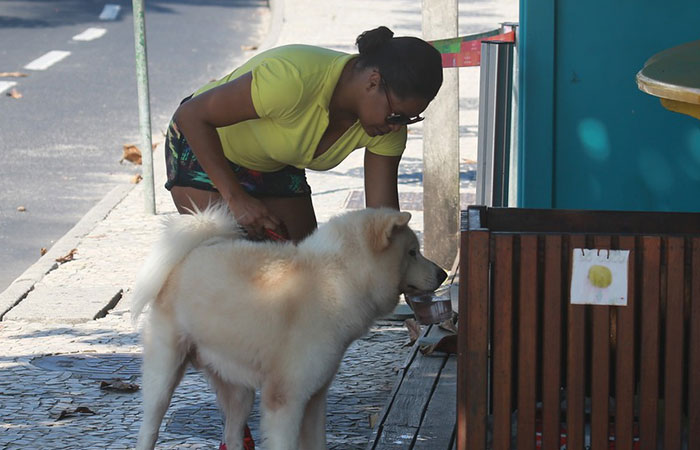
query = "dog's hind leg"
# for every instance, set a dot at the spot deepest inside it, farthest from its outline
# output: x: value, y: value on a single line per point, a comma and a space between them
x: 164, y: 362
x: 235, y: 402
x: 313, y: 425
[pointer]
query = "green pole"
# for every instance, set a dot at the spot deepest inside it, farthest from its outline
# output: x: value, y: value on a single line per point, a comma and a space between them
x: 144, y: 105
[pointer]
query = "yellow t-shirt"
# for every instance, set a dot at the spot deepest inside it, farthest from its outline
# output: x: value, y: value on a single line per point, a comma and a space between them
x: 291, y: 90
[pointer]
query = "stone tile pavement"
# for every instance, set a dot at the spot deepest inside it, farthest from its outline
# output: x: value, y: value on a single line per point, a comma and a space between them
x: 52, y: 372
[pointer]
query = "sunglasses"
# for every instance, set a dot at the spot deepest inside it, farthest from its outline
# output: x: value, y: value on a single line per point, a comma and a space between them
x: 397, y: 119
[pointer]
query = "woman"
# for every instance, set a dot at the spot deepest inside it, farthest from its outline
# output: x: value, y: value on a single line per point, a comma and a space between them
x: 247, y: 138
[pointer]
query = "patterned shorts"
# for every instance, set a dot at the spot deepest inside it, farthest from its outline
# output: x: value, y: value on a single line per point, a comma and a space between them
x: 184, y: 170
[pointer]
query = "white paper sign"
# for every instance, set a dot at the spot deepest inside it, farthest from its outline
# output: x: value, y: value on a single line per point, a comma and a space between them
x: 599, y: 277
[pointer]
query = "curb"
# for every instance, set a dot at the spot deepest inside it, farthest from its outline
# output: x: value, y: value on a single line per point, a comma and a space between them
x: 25, y: 283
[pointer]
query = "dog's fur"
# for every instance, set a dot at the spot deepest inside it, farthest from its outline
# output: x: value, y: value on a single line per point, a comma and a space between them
x: 268, y: 315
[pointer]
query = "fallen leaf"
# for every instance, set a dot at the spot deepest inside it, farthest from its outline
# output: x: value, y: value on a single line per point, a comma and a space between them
x: 43, y: 251
x: 426, y: 349
x: 14, y: 93
x: 448, y: 325
x: 67, y: 257
x: 119, y: 386
x: 131, y: 154
x: 414, y: 331
x: 248, y: 48
x: 136, y: 179
x: 13, y: 74
x: 67, y: 413
x: 447, y: 344
x: 21, y: 209
x: 373, y: 418
x: 468, y: 161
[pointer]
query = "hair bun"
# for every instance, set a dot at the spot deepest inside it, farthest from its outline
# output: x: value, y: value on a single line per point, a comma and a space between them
x: 372, y: 40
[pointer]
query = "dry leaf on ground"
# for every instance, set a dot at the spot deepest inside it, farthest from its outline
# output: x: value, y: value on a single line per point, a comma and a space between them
x: 447, y: 344
x: 68, y: 257
x: 136, y: 179
x: 13, y: 74
x: 80, y: 410
x: 249, y: 48
x: 414, y: 331
x: 14, y: 93
x: 373, y: 419
x: 448, y: 325
x: 119, y: 386
x: 43, y: 251
x: 21, y: 209
x: 131, y: 154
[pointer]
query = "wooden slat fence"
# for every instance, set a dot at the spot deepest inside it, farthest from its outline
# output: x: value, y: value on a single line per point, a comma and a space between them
x: 535, y: 371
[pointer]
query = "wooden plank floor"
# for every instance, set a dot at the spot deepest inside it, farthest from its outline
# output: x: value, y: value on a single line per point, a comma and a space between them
x: 421, y: 411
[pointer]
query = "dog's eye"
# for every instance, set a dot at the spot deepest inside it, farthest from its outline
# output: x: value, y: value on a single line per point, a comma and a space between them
x: 412, y: 252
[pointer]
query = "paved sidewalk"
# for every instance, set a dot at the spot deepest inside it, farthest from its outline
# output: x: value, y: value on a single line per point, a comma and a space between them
x: 65, y: 328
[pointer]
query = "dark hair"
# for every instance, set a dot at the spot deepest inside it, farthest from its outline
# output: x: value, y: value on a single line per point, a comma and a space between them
x: 410, y: 66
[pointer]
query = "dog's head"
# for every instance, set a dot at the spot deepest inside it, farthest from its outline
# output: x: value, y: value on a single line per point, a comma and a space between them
x: 394, y: 243
x: 380, y: 256
x: 379, y: 244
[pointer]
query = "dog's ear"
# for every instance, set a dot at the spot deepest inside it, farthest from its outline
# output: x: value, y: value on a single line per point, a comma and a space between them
x: 382, y: 226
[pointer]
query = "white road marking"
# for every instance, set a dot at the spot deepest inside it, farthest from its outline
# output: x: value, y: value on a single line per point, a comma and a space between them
x: 110, y: 11
x: 5, y: 85
x: 46, y: 61
x: 90, y: 34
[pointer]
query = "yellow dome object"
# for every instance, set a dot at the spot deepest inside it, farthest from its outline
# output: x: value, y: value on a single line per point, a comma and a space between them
x: 600, y: 276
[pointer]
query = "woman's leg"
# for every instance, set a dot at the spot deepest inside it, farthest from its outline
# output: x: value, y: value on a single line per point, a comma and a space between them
x: 186, y: 198
x: 297, y: 214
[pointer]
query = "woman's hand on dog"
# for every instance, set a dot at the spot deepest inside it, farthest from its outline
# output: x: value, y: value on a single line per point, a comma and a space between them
x: 253, y: 215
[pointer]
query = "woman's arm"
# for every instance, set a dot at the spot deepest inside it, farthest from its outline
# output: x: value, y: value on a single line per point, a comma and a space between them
x: 381, y: 178
x: 198, y: 119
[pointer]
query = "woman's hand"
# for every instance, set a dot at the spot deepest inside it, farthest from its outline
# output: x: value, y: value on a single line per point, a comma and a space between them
x: 252, y: 215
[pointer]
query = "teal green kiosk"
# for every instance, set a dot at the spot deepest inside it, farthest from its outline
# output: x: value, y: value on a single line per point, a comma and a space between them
x: 589, y: 138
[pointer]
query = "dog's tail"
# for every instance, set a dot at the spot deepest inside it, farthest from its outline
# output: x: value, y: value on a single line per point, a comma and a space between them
x: 182, y: 234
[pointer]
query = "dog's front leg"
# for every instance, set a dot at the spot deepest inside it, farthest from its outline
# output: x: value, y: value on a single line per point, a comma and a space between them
x: 313, y: 426
x: 281, y: 418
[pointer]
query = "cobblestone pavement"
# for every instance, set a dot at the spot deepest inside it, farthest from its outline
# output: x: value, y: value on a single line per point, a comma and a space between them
x: 53, y: 400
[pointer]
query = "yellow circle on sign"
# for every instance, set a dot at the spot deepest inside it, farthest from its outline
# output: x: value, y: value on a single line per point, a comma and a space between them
x: 600, y: 276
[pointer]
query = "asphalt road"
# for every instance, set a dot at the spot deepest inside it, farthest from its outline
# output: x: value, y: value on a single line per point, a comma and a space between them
x: 61, y: 141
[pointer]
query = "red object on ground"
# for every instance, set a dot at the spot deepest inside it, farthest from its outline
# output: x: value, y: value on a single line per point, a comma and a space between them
x: 248, y: 443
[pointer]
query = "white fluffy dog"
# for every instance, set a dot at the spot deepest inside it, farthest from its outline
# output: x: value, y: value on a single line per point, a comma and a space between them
x: 269, y: 315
